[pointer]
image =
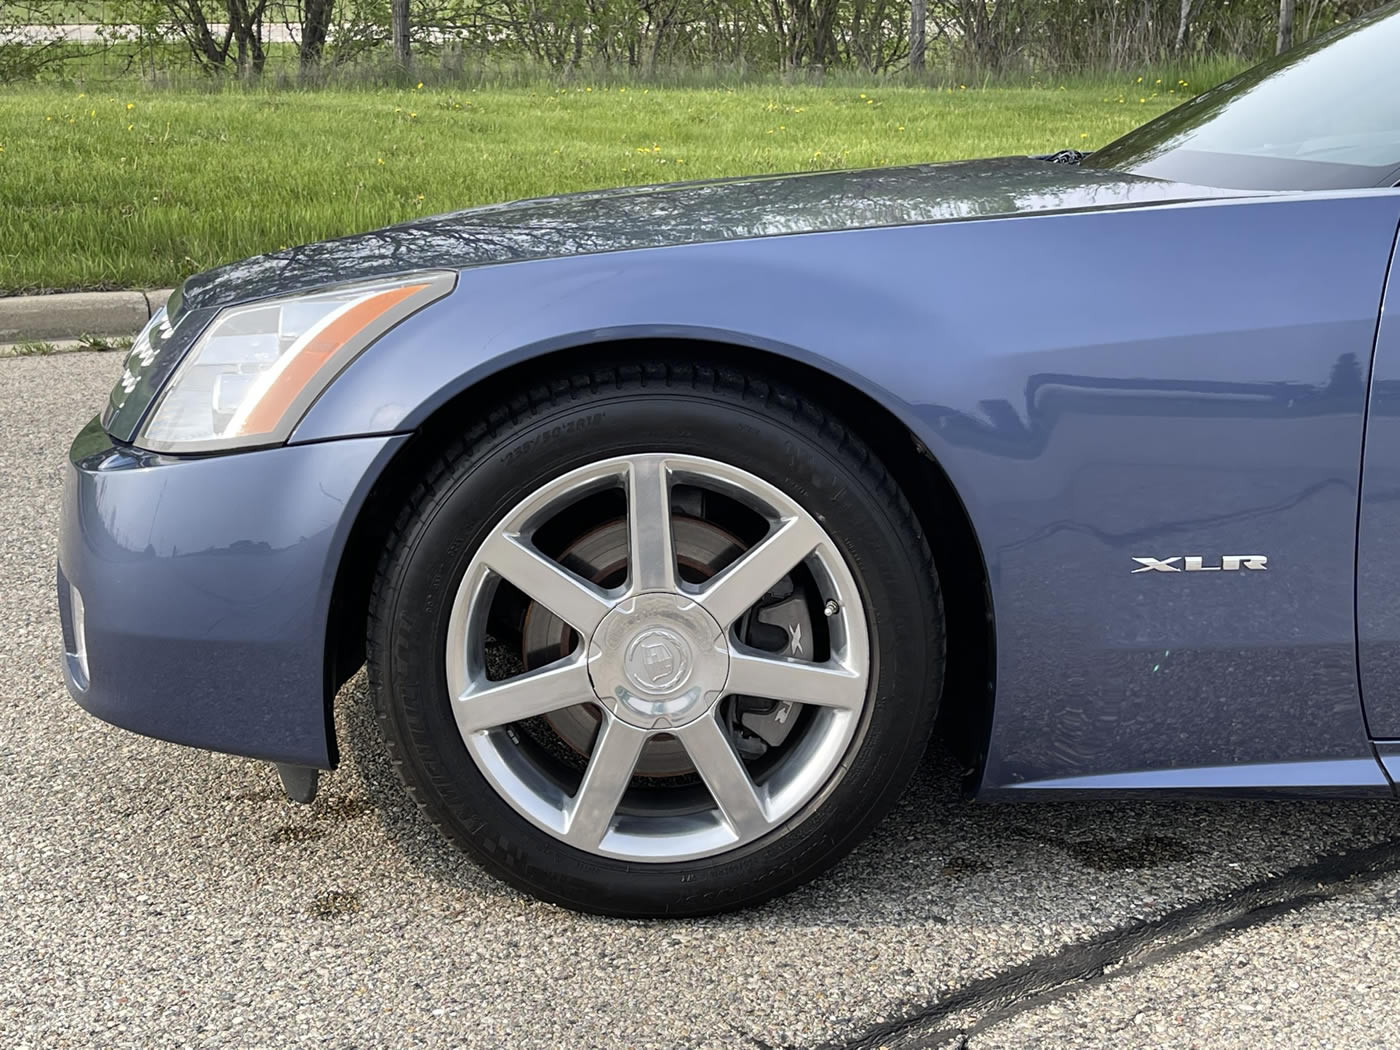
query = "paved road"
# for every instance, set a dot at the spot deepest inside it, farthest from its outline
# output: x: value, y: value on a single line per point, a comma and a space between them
x: 99, y: 33
x: 153, y: 896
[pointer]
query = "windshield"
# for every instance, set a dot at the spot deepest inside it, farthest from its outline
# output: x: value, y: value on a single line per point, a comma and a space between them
x: 1325, y: 115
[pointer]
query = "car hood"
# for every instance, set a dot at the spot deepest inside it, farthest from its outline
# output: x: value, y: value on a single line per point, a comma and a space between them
x: 687, y: 213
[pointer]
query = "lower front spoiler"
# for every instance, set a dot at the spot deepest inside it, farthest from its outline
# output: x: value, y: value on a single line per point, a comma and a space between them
x: 195, y: 592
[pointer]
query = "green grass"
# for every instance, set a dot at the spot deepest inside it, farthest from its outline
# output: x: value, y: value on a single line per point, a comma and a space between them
x: 86, y: 341
x: 134, y: 188
x: 82, y: 344
x: 29, y: 348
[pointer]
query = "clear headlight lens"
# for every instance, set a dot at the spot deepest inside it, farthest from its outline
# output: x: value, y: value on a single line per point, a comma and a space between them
x: 254, y: 372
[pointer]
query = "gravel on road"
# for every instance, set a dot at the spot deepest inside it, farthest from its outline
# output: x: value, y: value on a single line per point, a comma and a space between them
x: 153, y: 895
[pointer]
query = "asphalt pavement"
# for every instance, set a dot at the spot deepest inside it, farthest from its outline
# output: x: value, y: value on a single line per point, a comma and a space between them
x: 152, y: 895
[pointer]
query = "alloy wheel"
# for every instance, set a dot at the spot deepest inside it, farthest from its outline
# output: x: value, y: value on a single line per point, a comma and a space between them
x: 660, y: 657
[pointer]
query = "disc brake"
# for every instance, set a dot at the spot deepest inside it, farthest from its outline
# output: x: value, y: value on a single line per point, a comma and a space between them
x: 781, y: 623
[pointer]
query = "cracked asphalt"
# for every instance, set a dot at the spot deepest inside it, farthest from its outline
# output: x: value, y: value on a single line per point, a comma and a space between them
x: 152, y: 895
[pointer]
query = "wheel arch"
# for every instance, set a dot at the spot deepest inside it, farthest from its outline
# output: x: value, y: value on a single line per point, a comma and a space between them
x: 966, y: 707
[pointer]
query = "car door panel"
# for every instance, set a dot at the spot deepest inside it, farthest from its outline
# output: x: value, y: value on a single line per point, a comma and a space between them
x: 1378, y: 538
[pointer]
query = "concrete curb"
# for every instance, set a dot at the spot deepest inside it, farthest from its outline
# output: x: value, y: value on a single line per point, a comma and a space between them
x: 34, y: 318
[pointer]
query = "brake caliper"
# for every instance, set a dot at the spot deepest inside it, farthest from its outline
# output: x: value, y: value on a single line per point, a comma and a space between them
x: 781, y: 623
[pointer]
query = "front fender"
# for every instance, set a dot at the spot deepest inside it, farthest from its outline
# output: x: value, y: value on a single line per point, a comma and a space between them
x: 765, y: 295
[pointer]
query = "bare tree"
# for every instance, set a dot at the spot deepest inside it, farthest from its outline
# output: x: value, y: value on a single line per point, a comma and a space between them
x: 1286, y: 9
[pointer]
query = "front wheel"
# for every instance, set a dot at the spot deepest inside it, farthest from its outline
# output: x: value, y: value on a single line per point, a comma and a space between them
x: 664, y: 641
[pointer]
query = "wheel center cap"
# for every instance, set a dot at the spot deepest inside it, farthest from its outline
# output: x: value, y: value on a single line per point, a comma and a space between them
x: 658, y: 661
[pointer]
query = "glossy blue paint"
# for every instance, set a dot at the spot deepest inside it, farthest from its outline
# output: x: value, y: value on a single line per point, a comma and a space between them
x: 1388, y: 751
x: 207, y: 584
x: 672, y: 214
x: 1170, y: 380
x: 1378, y: 537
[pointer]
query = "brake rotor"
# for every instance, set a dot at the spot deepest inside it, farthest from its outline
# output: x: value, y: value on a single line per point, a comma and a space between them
x: 702, y: 549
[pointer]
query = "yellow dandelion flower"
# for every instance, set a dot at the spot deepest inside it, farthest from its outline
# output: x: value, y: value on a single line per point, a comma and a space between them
x: 901, y: 127
x: 419, y: 87
x: 1083, y: 134
x: 131, y: 105
x: 381, y: 160
x: 413, y: 116
x: 1139, y: 80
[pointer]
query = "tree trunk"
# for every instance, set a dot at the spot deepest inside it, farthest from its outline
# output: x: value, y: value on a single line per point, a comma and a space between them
x: 246, y: 26
x: 918, y: 23
x: 1183, y: 27
x: 315, y: 26
x: 398, y: 30
x: 1286, y: 9
x: 209, y: 53
x: 657, y: 40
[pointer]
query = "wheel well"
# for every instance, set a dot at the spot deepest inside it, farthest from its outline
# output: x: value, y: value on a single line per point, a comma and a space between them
x: 965, y: 714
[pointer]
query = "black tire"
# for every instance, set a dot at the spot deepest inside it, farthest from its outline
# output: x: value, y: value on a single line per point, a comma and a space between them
x: 763, y: 428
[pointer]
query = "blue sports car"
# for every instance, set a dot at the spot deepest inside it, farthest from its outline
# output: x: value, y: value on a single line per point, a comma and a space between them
x: 671, y: 521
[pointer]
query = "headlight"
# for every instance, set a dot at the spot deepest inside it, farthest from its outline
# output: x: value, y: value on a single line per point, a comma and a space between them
x: 257, y: 368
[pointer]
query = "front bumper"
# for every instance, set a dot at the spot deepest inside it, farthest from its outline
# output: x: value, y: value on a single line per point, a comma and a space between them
x: 205, y: 587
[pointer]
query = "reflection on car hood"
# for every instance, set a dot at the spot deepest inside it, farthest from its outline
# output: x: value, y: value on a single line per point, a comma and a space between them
x: 686, y: 213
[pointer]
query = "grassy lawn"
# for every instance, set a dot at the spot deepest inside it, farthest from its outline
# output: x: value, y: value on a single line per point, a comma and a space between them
x: 132, y: 188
